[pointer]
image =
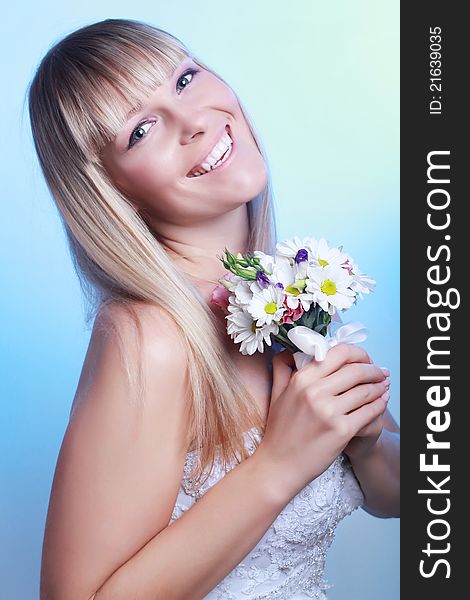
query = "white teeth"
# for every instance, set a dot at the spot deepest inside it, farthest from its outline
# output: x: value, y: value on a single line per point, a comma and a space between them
x: 213, y: 159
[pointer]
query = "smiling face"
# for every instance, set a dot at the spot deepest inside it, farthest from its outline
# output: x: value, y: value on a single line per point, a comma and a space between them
x: 191, y: 123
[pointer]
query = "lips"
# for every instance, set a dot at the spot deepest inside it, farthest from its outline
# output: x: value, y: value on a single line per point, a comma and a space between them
x: 210, y: 151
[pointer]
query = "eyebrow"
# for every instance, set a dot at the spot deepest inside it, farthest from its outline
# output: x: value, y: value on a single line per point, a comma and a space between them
x: 125, y: 126
x: 137, y: 108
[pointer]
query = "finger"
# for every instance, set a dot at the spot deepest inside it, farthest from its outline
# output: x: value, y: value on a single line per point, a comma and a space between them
x: 359, y: 395
x: 370, y: 428
x: 359, y: 418
x: 352, y: 375
x: 338, y: 356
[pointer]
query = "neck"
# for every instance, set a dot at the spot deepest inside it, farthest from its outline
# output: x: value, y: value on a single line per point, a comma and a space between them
x: 195, y: 248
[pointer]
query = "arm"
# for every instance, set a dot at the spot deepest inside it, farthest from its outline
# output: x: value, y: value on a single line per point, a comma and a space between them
x: 191, y: 556
x: 118, y: 475
x: 377, y: 468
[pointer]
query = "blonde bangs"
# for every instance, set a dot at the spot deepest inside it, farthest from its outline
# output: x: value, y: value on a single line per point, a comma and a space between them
x: 98, y: 83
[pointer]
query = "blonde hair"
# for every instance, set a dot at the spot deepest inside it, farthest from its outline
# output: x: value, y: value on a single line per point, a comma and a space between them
x: 117, y: 258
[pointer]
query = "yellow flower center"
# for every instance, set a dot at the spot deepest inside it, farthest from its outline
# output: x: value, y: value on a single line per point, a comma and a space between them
x: 270, y: 308
x: 322, y: 263
x: 328, y: 287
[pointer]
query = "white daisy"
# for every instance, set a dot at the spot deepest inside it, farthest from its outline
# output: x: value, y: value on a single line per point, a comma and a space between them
x: 235, y: 317
x: 290, y: 248
x: 330, y: 287
x: 230, y: 280
x: 294, y: 280
x: 243, y: 292
x: 242, y: 329
x: 266, y: 260
x: 267, y: 305
x: 361, y: 283
x: 325, y: 256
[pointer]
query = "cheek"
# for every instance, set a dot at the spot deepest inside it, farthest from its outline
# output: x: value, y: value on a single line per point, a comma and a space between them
x: 218, y: 95
x: 150, y: 179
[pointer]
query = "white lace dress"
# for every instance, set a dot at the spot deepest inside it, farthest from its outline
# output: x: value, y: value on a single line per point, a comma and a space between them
x: 289, y: 560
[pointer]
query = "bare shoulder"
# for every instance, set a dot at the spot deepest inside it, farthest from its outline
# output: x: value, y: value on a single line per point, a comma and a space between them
x: 121, y: 460
x: 139, y: 335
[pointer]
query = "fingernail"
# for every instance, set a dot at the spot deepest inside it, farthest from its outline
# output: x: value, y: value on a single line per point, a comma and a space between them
x: 386, y: 396
x: 387, y: 383
x: 385, y: 370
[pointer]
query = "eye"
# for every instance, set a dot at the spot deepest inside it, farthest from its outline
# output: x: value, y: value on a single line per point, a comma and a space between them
x: 183, y: 82
x: 138, y: 133
x: 185, y: 79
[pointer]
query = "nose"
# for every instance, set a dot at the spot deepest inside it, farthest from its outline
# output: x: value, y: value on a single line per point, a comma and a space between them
x: 192, y: 124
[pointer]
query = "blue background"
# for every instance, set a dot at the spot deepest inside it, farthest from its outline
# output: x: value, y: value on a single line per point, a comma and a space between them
x: 321, y: 82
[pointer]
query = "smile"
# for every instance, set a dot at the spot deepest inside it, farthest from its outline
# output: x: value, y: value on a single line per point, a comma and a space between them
x: 216, y: 157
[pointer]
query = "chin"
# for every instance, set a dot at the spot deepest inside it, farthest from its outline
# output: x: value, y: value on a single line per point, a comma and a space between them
x: 251, y: 182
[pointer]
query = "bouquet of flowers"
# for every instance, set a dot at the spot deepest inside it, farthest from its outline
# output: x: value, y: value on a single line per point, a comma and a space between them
x: 291, y: 297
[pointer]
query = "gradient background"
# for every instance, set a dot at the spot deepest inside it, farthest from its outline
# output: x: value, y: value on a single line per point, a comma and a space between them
x: 322, y: 85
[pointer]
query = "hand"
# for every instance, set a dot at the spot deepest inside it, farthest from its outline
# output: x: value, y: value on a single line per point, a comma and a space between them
x: 367, y: 438
x: 316, y: 411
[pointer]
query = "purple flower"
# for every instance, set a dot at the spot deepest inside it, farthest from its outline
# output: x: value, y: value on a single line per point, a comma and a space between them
x: 262, y: 279
x: 301, y: 256
x: 279, y: 285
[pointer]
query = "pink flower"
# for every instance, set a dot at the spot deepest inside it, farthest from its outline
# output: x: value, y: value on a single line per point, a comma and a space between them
x: 220, y: 296
x: 292, y: 314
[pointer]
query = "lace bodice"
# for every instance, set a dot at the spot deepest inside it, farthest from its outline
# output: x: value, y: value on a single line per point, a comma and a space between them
x: 289, y: 560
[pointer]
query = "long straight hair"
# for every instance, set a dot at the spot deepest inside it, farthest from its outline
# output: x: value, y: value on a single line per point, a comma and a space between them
x: 78, y: 100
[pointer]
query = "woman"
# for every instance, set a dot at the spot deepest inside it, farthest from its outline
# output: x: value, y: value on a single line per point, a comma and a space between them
x: 155, y: 168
